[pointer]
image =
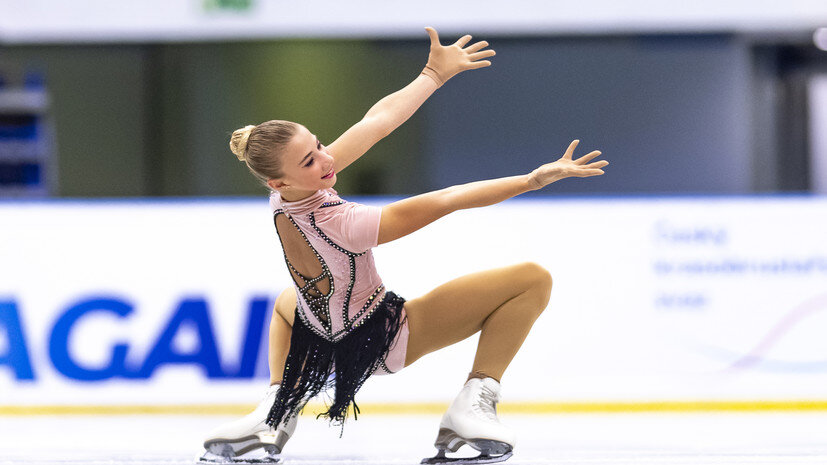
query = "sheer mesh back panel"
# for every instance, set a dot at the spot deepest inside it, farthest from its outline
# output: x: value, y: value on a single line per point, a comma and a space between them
x: 306, y: 266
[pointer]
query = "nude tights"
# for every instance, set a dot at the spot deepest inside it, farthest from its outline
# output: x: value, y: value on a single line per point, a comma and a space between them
x: 502, y: 303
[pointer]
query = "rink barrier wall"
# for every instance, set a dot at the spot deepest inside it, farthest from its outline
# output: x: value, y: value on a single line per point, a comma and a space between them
x: 435, y: 408
x: 707, y: 302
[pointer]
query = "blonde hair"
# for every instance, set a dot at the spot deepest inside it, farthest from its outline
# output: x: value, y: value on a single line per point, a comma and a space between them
x: 261, y: 147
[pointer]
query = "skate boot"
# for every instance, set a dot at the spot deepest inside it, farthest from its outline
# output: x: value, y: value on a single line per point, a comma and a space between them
x: 250, y: 439
x: 472, y: 419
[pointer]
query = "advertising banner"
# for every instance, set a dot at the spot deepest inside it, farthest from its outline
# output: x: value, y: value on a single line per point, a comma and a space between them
x: 168, y: 302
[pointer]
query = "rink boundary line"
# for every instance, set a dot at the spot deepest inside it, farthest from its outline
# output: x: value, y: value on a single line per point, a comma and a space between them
x: 430, y: 408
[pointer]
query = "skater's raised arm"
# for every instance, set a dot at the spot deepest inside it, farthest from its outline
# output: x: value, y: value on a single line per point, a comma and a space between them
x: 382, y: 119
x: 406, y: 216
x: 389, y: 113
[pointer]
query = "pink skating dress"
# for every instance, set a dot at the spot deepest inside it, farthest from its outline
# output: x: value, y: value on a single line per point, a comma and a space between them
x: 347, y: 326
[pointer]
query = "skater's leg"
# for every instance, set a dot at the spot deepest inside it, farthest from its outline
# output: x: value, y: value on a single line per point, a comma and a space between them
x: 281, y: 330
x: 502, y: 302
x: 251, y: 433
x: 281, y: 326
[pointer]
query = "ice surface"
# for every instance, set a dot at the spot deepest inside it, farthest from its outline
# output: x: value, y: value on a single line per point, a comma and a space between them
x: 564, y: 439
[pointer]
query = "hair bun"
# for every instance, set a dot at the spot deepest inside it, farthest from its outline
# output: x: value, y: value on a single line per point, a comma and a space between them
x: 238, y: 141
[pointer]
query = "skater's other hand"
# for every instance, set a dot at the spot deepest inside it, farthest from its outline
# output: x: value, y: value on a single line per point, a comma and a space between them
x: 446, y: 61
x: 566, y: 167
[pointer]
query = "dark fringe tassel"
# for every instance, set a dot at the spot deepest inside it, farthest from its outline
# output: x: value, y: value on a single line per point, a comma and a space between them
x: 315, y: 364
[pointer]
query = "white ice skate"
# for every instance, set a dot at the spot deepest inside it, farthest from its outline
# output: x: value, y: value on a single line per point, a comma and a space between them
x: 250, y: 439
x: 472, y: 419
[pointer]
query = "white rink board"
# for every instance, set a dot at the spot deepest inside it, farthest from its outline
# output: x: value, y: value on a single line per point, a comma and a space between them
x: 707, y: 298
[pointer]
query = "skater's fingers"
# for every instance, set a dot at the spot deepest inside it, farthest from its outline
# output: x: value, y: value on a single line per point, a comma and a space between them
x: 433, y: 35
x: 597, y: 164
x: 463, y: 40
x: 570, y: 150
x: 587, y: 173
x: 476, y: 47
x: 588, y: 157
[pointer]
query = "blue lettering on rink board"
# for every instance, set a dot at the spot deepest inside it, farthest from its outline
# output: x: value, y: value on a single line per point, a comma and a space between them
x: 59, y: 341
x: 256, y: 319
x: 17, y: 352
x: 191, y: 312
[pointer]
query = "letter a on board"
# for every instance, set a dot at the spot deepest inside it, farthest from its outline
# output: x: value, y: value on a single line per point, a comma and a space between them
x: 17, y: 355
x: 191, y: 312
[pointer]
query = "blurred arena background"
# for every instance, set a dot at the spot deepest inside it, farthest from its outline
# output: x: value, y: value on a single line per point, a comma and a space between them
x: 139, y: 263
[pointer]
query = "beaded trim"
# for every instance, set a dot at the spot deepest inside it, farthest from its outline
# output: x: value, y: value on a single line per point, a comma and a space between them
x: 331, y: 204
x: 384, y: 366
x: 330, y: 241
x: 352, y: 270
x: 303, y: 317
x: 367, y: 304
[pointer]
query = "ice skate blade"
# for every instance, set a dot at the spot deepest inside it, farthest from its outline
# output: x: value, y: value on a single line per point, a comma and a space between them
x: 448, y: 439
x: 272, y: 443
x: 451, y: 441
x: 209, y: 457
x: 243, y: 450
x: 480, y: 459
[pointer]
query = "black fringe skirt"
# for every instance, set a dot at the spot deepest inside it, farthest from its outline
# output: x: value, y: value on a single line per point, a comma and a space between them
x: 315, y: 364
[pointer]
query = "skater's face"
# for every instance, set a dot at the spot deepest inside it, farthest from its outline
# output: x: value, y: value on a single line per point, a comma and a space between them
x: 306, y: 165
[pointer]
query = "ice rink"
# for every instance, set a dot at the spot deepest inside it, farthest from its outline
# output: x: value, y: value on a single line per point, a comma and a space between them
x: 560, y: 439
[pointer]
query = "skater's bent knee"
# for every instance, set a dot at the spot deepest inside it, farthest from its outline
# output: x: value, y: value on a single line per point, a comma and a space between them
x: 540, y: 283
x: 540, y: 276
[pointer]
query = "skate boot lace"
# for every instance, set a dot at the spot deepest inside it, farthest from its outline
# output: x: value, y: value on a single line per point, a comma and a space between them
x: 486, y: 404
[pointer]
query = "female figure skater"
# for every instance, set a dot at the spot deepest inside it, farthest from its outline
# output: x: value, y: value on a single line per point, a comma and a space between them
x: 339, y: 324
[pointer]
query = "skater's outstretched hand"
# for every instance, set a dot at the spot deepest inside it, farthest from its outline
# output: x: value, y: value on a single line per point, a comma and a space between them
x: 444, y: 62
x: 565, y: 167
